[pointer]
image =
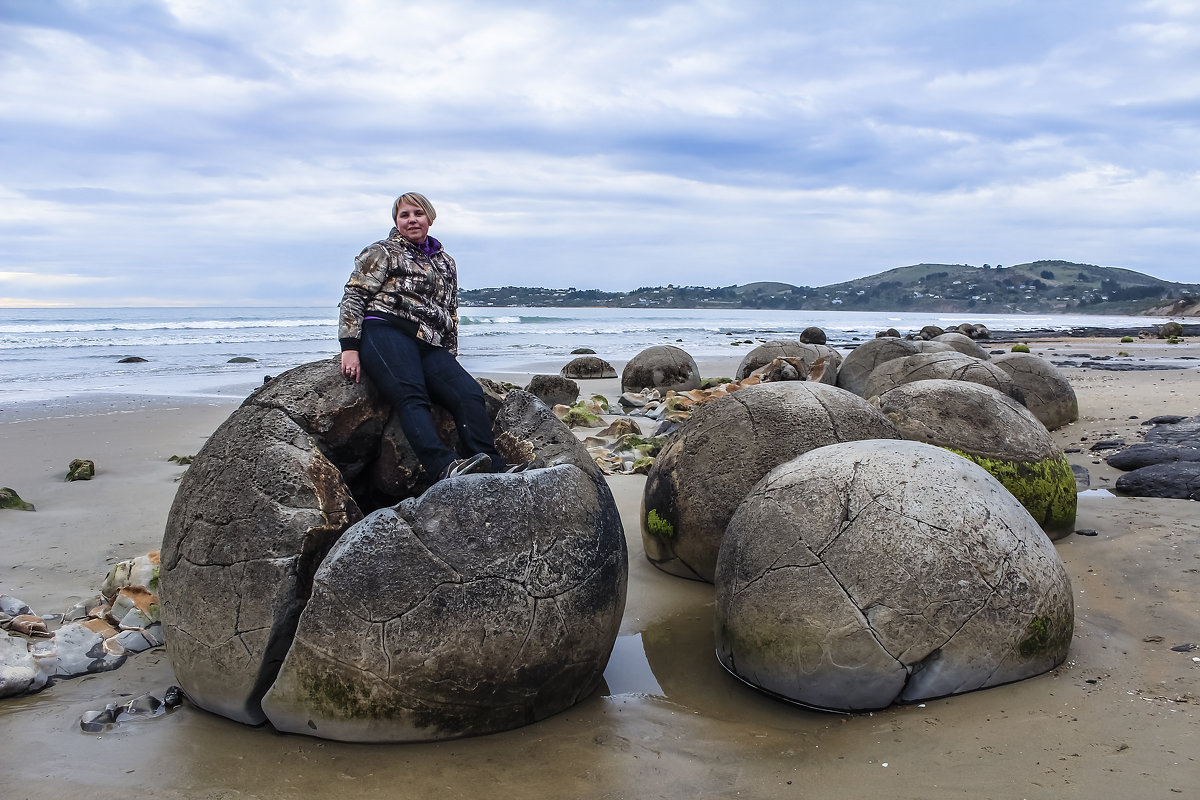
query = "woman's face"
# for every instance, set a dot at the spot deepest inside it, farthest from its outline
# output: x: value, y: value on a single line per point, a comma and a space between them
x: 412, y: 222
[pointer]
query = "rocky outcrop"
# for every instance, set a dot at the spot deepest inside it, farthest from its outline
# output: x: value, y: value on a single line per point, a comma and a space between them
x: 868, y: 573
x: 663, y: 367
x: 707, y: 468
x: 998, y: 434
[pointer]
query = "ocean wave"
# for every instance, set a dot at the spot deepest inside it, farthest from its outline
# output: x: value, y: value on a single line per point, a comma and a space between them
x: 42, y: 327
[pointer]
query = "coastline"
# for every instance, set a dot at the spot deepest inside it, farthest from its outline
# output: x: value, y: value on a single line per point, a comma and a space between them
x: 1117, y: 718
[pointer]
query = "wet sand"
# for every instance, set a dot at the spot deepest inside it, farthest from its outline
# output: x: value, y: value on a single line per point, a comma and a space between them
x: 1117, y: 719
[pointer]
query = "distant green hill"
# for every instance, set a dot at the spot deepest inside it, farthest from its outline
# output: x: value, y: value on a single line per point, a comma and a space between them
x: 1037, y: 287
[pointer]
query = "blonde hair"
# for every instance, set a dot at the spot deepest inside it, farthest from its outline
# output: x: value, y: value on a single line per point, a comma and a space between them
x: 417, y: 200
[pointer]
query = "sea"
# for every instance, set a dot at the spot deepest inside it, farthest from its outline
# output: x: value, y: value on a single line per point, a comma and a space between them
x: 56, y: 354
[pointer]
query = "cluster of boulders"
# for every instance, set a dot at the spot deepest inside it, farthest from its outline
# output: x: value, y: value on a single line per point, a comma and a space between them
x: 96, y: 635
x: 1166, y: 464
x: 313, y: 575
x: 855, y: 569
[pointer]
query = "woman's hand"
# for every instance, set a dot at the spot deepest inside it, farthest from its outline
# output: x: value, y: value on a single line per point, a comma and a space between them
x: 350, y: 365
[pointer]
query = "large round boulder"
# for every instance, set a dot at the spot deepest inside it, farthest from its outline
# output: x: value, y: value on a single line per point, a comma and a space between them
x: 963, y: 344
x: 858, y: 365
x: 269, y: 495
x: 1048, y: 393
x: 997, y: 433
x: 588, y: 368
x: 952, y: 366
x: 709, y: 465
x: 868, y: 573
x: 490, y: 602
x: 663, y: 367
x: 809, y: 354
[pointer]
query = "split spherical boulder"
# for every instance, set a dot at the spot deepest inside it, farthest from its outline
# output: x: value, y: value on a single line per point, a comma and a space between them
x: 997, y: 433
x: 274, y: 489
x: 705, y: 471
x: 663, y: 367
x: 490, y: 602
x: 767, y: 352
x: 868, y: 573
x: 1047, y: 392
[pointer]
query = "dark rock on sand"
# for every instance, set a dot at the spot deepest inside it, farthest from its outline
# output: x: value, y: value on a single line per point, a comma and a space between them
x: 1185, y: 433
x: 1177, y: 479
x: 709, y: 465
x: 81, y: 469
x: 242, y: 360
x: 132, y: 360
x: 588, y: 367
x: 845, y: 584
x: 812, y: 335
x: 663, y: 367
x: 1148, y: 453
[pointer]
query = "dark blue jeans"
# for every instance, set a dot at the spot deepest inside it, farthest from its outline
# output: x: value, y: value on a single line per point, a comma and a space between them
x: 410, y: 373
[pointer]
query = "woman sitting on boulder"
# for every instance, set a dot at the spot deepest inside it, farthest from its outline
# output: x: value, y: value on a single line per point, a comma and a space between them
x: 399, y: 321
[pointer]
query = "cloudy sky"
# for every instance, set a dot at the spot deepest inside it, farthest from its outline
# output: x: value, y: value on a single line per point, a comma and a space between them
x: 214, y: 152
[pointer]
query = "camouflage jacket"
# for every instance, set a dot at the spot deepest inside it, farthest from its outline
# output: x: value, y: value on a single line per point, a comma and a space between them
x: 399, y: 282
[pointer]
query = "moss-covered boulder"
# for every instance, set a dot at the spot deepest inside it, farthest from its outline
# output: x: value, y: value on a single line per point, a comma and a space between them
x: 81, y: 469
x: 998, y: 434
x: 10, y: 499
x: 868, y: 573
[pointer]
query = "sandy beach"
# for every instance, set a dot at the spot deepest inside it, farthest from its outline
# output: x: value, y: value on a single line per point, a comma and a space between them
x: 1117, y: 719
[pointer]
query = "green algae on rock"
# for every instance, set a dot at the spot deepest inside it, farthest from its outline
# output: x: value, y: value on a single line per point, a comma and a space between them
x: 10, y: 499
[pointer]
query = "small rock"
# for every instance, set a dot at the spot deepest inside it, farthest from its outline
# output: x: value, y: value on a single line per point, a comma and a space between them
x: 1085, y: 532
x: 132, y: 360
x: 81, y: 469
x: 242, y: 360
x: 10, y: 499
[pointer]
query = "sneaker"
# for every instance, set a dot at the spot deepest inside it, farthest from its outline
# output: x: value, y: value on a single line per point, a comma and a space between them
x: 480, y: 462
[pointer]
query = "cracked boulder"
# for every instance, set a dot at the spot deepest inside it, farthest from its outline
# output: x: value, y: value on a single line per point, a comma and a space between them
x: 268, y: 496
x: 490, y: 602
x: 963, y: 344
x: 997, y: 433
x: 952, y: 366
x: 767, y: 352
x: 705, y: 471
x: 858, y: 365
x: 869, y: 573
x: 1046, y: 390
x: 663, y: 367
